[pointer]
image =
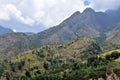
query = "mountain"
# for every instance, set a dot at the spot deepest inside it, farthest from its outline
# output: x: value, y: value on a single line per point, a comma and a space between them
x: 102, y: 26
x: 88, y: 23
x: 96, y: 25
x: 112, y: 36
x: 51, y: 58
x: 29, y: 33
x: 64, y: 62
x: 12, y: 44
x: 115, y: 14
x: 5, y: 30
x: 74, y: 49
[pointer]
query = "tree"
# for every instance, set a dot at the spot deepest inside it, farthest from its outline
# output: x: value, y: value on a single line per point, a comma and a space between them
x: 27, y: 73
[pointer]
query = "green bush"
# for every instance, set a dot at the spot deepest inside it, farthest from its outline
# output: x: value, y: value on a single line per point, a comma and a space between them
x: 112, y: 56
x: 117, y: 71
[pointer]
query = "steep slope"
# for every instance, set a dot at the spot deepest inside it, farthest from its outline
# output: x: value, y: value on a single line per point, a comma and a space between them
x: 51, y: 58
x: 114, y: 33
x: 12, y: 44
x: 50, y: 62
x: 89, y: 24
x: 115, y: 14
x: 5, y: 30
x: 112, y: 38
x: 81, y: 48
x: 78, y: 48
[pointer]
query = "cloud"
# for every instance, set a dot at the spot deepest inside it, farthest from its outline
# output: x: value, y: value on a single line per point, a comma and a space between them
x: 48, y: 12
x: 10, y: 11
x: 17, y: 14
x: 102, y: 5
x: 3, y: 13
x: 14, y: 30
x: 51, y: 12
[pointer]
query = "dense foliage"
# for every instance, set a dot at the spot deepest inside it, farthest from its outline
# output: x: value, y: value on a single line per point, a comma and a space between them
x: 52, y: 66
x: 78, y: 60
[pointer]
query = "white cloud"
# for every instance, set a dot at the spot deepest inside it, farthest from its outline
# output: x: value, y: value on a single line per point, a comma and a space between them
x: 102, y: 5
x: 14, y: 30
x: 10, y: 11
x: 56, y: 11
x: 17, y: 14
x: 3, y: 13
x: 48, y: 12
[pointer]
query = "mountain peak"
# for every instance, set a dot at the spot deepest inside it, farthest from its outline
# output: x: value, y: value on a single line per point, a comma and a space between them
x: 88, y: 10
x: 77, y: 13
x: 72, y: 19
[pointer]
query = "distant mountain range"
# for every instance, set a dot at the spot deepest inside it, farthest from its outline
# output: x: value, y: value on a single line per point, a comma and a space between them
x: 14, y: 24
x: 102, y: 26
x: 5, y: 30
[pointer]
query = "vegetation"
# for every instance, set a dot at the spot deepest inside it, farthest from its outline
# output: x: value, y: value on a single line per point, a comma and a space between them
x: 2, y: 67
x: 58, y: 68
x: 79, y: 59
x: 63, y: 62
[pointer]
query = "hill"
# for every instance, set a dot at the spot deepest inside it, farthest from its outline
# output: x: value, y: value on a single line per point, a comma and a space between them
x: 12, y: 44
x: 51, y: 62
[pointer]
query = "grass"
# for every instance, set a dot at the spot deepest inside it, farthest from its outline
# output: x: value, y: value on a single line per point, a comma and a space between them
x: 108, y: 52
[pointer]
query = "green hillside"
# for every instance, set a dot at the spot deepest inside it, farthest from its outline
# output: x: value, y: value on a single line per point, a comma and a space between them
x: 77, y: 60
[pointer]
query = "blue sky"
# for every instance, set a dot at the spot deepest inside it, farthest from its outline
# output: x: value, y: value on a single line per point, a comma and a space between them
x: 86, y: 2
x: 37, y: 15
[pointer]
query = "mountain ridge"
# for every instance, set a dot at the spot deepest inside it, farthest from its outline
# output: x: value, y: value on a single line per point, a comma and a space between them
x: 96, y: 25
x: 84, y: 46
x: 89, y: 24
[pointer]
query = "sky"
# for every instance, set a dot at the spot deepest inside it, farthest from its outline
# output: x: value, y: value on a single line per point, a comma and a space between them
x: 37, y: 15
